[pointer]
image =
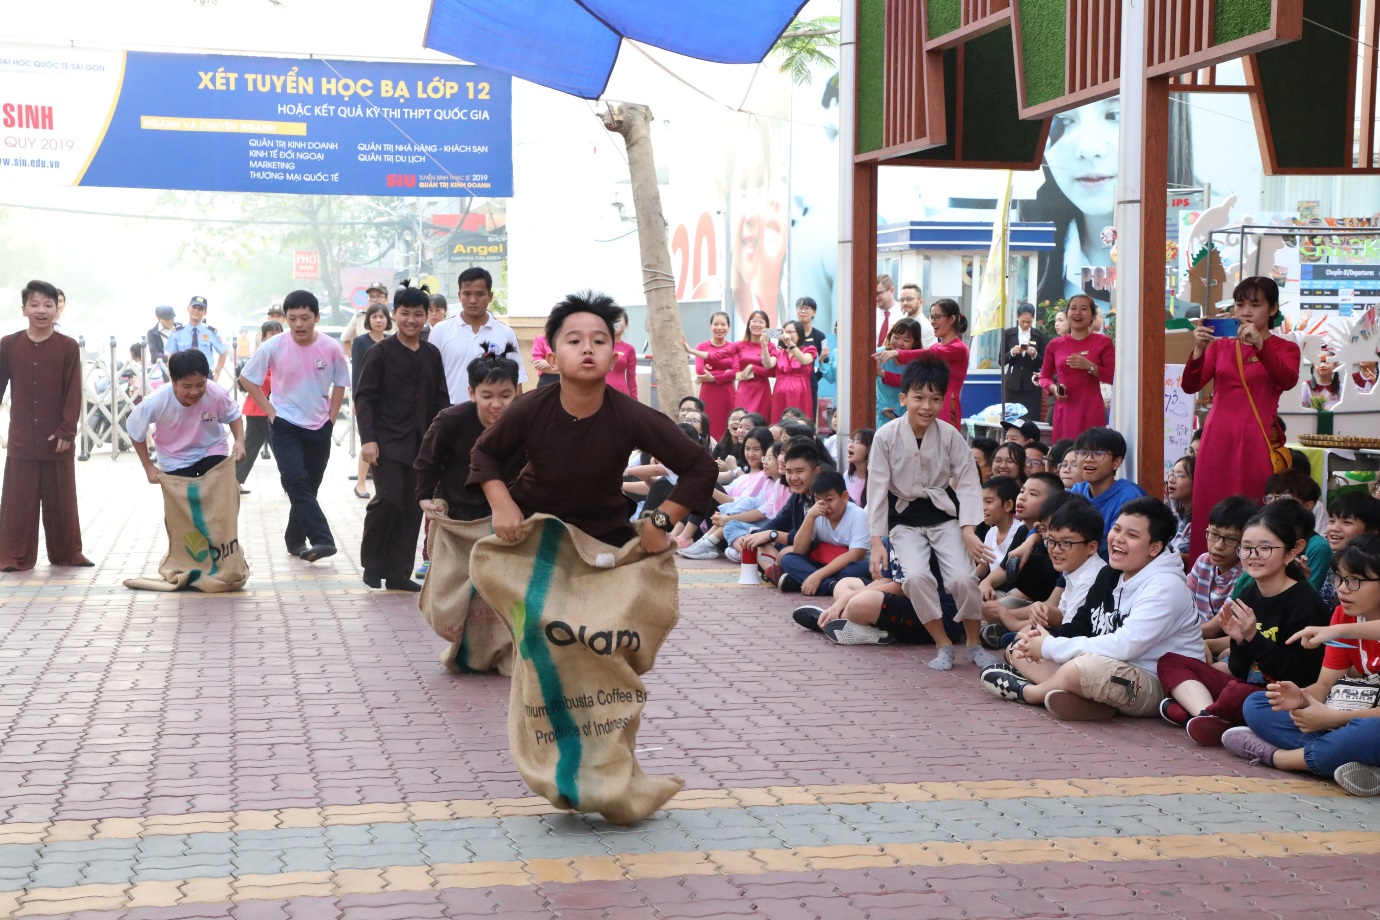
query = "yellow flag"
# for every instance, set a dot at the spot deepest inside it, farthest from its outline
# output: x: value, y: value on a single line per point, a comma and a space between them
x: 990, y: 310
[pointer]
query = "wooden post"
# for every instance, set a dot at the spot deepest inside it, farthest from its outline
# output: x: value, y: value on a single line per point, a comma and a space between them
x: 862, y: 298
x: 1154, y: 182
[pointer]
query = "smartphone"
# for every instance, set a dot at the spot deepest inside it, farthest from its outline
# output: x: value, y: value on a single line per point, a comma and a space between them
x: 774, y: 334
x: 1060, y: 390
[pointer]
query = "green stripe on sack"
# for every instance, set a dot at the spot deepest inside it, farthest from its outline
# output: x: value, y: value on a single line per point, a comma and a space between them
x: 199, y: 522
x: 533, y: 647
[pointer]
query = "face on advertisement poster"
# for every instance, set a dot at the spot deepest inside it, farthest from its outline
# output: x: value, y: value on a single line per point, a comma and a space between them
x: 758, y: 218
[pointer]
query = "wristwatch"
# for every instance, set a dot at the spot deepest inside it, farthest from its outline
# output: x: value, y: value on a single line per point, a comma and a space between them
x: 660, y: 520
x: 773, y: 536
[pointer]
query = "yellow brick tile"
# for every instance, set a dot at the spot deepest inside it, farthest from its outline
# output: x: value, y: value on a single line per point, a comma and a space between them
x: 1101, y: 849
x: 597, y: 868
x: 480, y: 875
x: 1001, y: 789
x: 848, y: 856
x: 794, y: 795
x: 408, y: 878
x: 430, y: 811
x: 701, y: 798
x: 471, y: 808
x: 551, y: 870
x: 1278, y: 844
x: 40, y: 907
x: 118, y: 828
x: 780, y: 860
x: 1348, y: 842
x: 284, y: 886
x: 207, y: 890
x: 256, y: 820
x: 70, y: 831
x: 852, y: 796
x: 907, y: 792
x: 380, y: 813
x: 955, y: 853
x: 300, y: 817
x: 1022, y: 851
x: 9, y: 902
x: 912, y: 854
x: 735, y: 862
x: 1195, y: 846
x: 205, y: 823
x: 359, y: 881
x: 947, y: 792
x: 754, y: 798
x: 1092, y: 786
x: 22, y: 833
x: 155, y: 894
x: 665, y: 865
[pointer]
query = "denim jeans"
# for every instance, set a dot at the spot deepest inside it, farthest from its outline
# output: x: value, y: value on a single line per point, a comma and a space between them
x: 302, y: 455
x: 1357, y: 740
x: 735, y: 529
x: 801, y: 568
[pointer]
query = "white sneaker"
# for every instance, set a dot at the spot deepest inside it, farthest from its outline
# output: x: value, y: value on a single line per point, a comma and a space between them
x: 733, y: 556
x: 846, y: 632
x: 702, y: 548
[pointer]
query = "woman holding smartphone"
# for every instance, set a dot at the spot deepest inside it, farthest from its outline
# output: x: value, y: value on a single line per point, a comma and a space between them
x: 1082, y: 361
x: 791, y: 365
x: 1251, y: 370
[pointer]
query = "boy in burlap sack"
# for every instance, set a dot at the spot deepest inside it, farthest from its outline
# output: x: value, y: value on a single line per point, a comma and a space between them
x: 201, y: 497
x: 578, y: 438
x: 458, y: 515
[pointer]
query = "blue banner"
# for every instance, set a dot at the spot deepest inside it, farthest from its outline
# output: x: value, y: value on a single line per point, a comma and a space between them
x: 254, y: 124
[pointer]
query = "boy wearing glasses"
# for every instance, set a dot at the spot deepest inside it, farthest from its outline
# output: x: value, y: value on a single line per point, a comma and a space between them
x: 1100, y: 453
x: 1214, y: 574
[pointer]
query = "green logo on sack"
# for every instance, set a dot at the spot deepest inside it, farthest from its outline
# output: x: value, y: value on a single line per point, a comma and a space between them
x: 197, y: 546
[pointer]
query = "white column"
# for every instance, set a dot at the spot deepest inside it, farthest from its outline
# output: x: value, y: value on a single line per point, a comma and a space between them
x: 843, y: 280
x: 1126, y: 389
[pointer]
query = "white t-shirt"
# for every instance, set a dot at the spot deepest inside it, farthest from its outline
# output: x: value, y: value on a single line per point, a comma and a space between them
x: 852, y: 530
x: 1076, y: 585
x: 460, y: 344
x: 1003, y: 545
x: 303, y: 377
x: 185, y: 434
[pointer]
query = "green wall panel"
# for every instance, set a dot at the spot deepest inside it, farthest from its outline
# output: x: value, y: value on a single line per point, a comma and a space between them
x: 871, y: 73
x: 1304, y: 86
x: 942, y: 17
x: 1239, y: 18
x: 1043, y: 43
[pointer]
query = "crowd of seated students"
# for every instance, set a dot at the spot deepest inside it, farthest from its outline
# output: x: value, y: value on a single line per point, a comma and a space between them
x: 1071, y: 588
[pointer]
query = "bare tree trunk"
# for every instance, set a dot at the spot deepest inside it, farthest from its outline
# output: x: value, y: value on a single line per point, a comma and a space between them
x: 633, y: 122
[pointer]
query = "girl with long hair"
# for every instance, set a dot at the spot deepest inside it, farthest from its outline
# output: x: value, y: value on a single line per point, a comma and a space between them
x: 716, y: 366
x: 792, y: 366
x: 1081, y: 361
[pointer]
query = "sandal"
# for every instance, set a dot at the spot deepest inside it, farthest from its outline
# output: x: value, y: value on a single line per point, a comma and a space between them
x: 359, y: 494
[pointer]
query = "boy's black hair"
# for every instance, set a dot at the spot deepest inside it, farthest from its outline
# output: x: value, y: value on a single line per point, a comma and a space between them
x: 1052, y: 479
x: 1080, y: 517
x: 807, y: 302
x: 693, y: 400
x: 988, y: 446
x: 408, y: 296
x: 801, y: 449
x: 691, y: 432
x: 493, y: 367
x: 1233, y: 511
x: 601, y: 305
x: 795, y: 413
x: 475, y: 273
x: 1295, y: 482
x: 927, y: 372
x: 1196, y: 436
x: 1102, y: 438
x: 270, y: 325
x: 1360, y: 556
x: 1300, y: 460
x: 762, y: 435
x: 188, y: 363
x: 438, y: 301
x: 42, y: 288
x: 1163, y: 524
x: 1004, y: 487
x: 1299, y: 517
x: 756, y: 419
x: 1041, y: 446
x: 1051, y: 505
x: 1357, y: 505
x: 1059, y: 450
x: 301, y: 300
x: 797, y: 430
x: 136, y: 351
x: 828, y: 481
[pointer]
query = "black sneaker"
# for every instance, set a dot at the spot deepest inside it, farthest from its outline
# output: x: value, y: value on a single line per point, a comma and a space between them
x: 401, y: 584
x: 318, y: 551
x: 990, y: 634
x: 808, y: 617
x: 373, y: 579
x: 1005, y: 684
x: 788, y: 584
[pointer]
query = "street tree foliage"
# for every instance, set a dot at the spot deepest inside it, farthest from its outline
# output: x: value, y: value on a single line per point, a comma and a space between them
x: 803, y: 48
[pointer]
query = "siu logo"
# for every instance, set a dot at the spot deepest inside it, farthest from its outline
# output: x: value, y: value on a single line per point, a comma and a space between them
x: 401, y: 180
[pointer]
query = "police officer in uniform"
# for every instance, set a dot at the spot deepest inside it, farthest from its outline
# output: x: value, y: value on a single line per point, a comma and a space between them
x: 200, y: 335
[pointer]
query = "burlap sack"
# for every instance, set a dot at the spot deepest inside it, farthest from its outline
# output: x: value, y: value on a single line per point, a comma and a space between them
x: 202, y: 520
x: 479, y: 638
x: 588, y: 618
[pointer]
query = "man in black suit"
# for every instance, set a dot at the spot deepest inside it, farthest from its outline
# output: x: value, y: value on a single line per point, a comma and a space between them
x: 158, y: 336
x: 1023, y: 351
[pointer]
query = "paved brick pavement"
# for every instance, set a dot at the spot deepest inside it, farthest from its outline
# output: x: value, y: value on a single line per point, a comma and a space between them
x: 295, y: 751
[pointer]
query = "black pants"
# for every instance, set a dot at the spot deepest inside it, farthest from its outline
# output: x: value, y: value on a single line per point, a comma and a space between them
x: 200, y: 468
x: 255, y: 436
x: 392, y: 520
x: 302, y: 455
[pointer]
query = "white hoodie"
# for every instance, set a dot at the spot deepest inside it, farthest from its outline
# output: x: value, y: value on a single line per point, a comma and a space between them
x: 1139, y: 621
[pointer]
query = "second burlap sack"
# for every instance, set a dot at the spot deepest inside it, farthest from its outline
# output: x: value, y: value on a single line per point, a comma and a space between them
x: 479, y: 638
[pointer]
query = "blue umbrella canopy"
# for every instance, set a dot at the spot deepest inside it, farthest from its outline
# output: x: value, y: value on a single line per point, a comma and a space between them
x: 571, y: 45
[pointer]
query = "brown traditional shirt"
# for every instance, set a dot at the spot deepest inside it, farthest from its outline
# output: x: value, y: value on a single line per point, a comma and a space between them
x: 575, y: 466
x: 399, y: 393
x: 443, y: 464
x: 44, y: 381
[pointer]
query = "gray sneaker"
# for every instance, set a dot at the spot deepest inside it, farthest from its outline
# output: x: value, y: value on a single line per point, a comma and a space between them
x: 703, y: 548
x: 846, y: 632
x: 1358, y: 778
x: 1243, y: 742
